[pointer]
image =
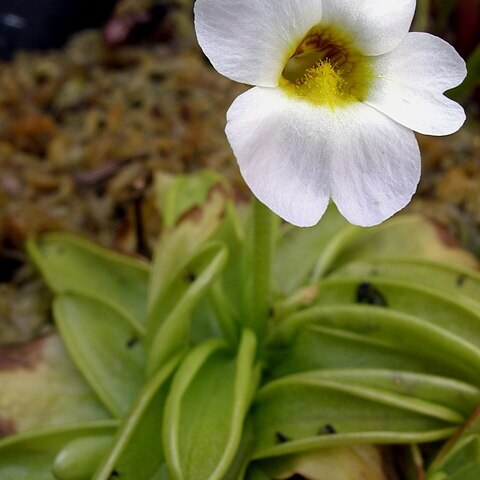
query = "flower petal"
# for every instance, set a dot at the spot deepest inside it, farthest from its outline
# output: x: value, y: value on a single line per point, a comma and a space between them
x: 376, y: 168
x: 280, y: 155
x: 250, y: 41
x: 410, y: 82
x: 294, y: 156
x: 378, y: 26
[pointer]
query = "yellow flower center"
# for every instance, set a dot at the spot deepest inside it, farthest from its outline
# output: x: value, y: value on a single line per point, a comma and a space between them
x: 327, y: 69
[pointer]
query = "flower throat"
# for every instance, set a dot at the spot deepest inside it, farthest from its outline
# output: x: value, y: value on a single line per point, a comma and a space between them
x: 327, y: 69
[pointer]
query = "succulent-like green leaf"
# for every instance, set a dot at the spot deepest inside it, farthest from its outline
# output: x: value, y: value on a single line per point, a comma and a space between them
x: 441, y: 276
x: 204, y: 321
x: 459, y: 316
x: 469, y: 472
x: 301, y: 412
x: 31, y: 456
x: 137, y: 452
x: 455, y: 395
x: 347, y: 463
x: 460, y: 454
x: 71, y: 264
x: 185, y: 278
x: 300, y: 249
x: 126, y: 325
x: 458, y: 396
x: 231, y: 234
x: 178, y: 247
x: 206, y: 409
x: 404, y: 236
x: 172, y: 334
x: 105, y: 348
x: 178, y: 262
x: 256, y: 473
x: 466, y: 451
x: 79, y: 458
x: 41, y: 387
x: 240, y: 464
x: 162, y: 473
x: 392, y: 331
x: 178, y: 194
x: 316, y: 347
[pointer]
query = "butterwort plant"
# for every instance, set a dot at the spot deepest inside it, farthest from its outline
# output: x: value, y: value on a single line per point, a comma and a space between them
x: 251, y: 349
x: 339, y: 88
x: 168, y: 369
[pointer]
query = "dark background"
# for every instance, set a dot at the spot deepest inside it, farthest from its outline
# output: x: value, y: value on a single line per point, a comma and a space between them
x: 26, y: 24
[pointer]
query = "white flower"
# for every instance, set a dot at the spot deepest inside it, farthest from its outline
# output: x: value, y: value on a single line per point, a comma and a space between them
x: 339, y: 87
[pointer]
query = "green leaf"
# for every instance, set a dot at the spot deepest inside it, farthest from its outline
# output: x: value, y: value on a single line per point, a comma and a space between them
x: 459, y: 316
x: 172, y: 334
x: 178, y: 247
x: 299, y: 250
x: 43, y: 387
x: 256, y: 473
x: 204, y: 322
x: 162, y: 474
x: 404, y: 236
x: 316, y: 347
x: 190, y: 276
x: 470, y: 472
x: 325, y: 380
x: 465, y: 452
x: 392, y: 331
x: 137, y: 452
x: 206, y: 409
x: 71, y: 264
x: 358, y: 462
x: 176, y: 195
x: 180, y: 251
x: 217, y: 312
x: 79, y: 458
x: 461, y: 451
x: 441, y: 276
x: 302, y: 412
x: 104, y: 347
x: 231, y: 233
x: 240, y: 464
x: 455, y: 395
x: 31, y: 456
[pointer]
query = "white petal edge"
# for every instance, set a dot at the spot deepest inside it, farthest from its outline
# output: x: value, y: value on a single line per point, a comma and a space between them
x: 294, y: 156
x: 410, y: 82
x: 250, y: 41
x: 378, y: 26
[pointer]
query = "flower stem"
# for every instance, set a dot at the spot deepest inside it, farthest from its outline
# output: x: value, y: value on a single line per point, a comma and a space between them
x: 264, y: 223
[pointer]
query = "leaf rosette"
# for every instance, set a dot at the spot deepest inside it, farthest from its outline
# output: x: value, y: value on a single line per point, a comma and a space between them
x: 372, y: 338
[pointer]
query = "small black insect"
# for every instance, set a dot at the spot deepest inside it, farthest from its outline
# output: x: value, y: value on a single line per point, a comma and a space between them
x: 281, y: 438
x: 131, y: 342
x: 114, y: 474
x: 326, y: 430
x: 190, y: 277
x: 368, y: 294
x: 461, y: 280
